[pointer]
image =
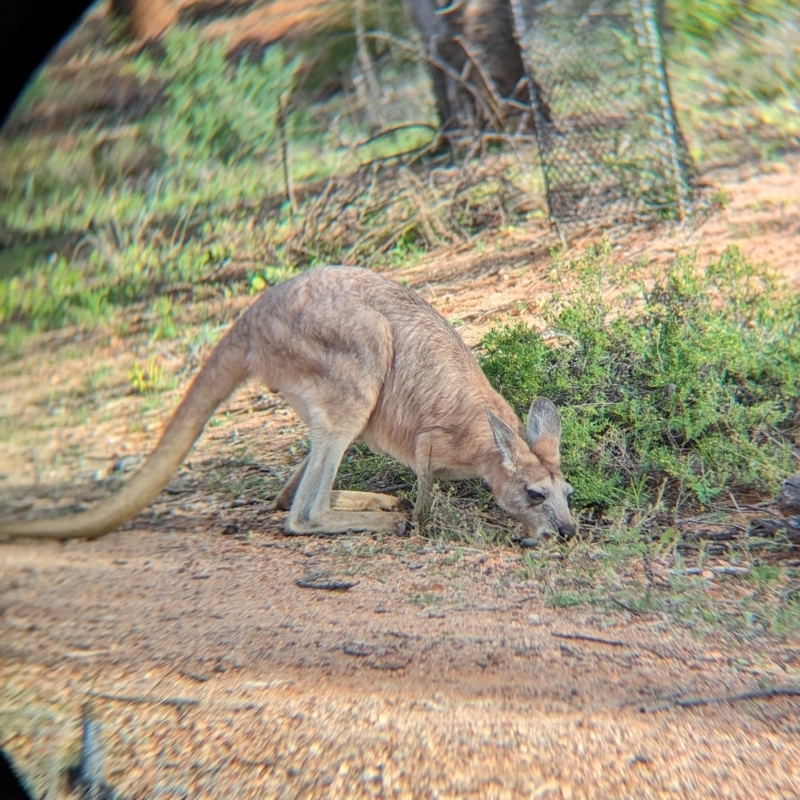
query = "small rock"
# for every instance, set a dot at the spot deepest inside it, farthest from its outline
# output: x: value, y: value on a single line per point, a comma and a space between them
x: 788, y: 499
x: 126, y: 463
x: 788, y: 527
x: 358, y: 649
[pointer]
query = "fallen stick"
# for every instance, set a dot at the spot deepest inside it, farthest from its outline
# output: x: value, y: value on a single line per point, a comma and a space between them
x: 585, y: 638
x: 638, y: 612
x: 656, y: 651
x: 328, y: 586
x: 700, y: 570
x: 177, y: 702
x: 756, y: 694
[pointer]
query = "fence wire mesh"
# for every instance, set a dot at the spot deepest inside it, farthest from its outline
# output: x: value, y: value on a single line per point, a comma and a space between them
x: 609, y: 140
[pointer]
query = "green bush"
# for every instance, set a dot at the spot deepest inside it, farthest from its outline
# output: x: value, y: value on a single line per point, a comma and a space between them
x: 216, y: 109
x: 703, y: 20
x: 687, y: 386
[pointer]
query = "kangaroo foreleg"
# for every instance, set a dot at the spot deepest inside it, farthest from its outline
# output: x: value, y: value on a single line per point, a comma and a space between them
x: 424, y: 469
x: 422, y: 505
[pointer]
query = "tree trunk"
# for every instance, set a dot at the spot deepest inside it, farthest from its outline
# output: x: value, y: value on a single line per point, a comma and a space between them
x: 475, y: 60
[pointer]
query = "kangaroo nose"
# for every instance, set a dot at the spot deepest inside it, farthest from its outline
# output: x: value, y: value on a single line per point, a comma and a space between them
x: 566, y: 529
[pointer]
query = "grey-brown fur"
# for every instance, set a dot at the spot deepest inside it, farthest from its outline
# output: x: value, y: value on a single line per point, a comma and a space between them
x: 358, y: 357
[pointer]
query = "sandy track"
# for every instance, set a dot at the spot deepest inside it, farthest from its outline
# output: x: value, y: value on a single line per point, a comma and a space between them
x: 213, y: 675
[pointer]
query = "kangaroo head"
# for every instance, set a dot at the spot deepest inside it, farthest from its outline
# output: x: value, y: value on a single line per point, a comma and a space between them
x: 532, y: 488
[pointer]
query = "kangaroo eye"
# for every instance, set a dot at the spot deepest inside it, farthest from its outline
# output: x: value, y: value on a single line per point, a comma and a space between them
x: 536, y: 498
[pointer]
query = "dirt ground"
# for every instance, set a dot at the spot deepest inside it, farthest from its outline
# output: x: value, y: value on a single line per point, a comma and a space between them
x: 439, y: 673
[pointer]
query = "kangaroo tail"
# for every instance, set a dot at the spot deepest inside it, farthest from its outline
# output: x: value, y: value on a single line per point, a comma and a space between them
x: 225, y: 369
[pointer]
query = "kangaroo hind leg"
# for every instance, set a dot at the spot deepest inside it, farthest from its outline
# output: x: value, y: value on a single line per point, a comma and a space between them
x: 314, y: 508
x: 340, y: 500
x: 350, y: 355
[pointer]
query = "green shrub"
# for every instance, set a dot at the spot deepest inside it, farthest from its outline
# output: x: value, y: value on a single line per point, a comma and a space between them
x: 688, y: 385
x: 216, y: 109
x: 706, y: 19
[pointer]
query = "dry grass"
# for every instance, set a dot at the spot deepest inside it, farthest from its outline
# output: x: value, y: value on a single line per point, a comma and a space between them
x: 393, y: 211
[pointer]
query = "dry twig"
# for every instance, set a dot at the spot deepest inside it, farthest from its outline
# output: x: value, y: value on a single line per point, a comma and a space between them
x: 176, y: 702
x: 328, y: 586
x: 693, y: 702
x: 586, y: 638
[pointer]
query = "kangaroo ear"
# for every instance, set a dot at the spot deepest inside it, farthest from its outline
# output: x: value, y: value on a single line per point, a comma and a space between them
x: 544, y: 429
x: 504, y: 437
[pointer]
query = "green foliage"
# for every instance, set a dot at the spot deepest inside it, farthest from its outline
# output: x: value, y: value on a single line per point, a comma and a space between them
x: 692, y: 391
x: 751, y: 61
x: 51, y: 295
x: 108, y: 218
x: 363, y: 470
x: 147, y: 379
x: 120, y: 270
x: 270, y: 276
x: 216, y: 109
x: 706, y: 19
x: 734, y: 75
x: 164, y: 327
x: 89, y: 238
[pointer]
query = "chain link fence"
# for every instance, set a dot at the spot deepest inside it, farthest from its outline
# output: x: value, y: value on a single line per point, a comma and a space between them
x: 610, y: 144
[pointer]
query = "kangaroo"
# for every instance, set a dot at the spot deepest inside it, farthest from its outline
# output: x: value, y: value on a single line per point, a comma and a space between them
x: 358, y: 357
